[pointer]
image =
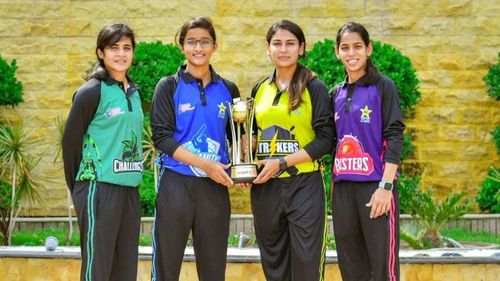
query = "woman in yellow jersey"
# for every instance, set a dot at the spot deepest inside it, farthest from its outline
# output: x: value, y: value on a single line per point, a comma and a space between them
x: 293, y: 116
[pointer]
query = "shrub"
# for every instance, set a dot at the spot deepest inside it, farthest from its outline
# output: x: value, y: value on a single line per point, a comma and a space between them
x: 492, y: 80
x: 153, y: 61
x: 11, y: 90
x: 147, y: 194
x: 496, y: 138
x: 488, y: 196
x: 431, y: 214
x: 19, y: 181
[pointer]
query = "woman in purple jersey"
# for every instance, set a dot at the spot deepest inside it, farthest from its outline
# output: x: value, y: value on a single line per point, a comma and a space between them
x: 369, y: 141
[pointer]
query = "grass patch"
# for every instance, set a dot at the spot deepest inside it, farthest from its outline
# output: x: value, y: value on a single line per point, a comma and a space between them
x: 464, y: 235
x: 37, y: 237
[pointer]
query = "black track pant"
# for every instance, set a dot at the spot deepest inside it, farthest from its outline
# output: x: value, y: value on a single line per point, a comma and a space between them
x: 290, y: 225
x: 109, y: 218
x: 184, y: 204
x: 368, y: 249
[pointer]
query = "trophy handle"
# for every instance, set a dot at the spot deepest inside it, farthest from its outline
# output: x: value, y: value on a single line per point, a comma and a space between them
x: 233, y: 133
x: 249, y: 129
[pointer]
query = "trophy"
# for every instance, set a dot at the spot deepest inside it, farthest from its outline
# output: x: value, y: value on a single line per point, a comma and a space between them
x: 242, y: 113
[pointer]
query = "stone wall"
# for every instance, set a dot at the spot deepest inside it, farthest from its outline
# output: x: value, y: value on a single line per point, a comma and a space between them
x: 451, y: 43
x: 61, y: 269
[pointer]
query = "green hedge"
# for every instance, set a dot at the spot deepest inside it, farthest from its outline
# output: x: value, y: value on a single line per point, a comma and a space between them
x: 492, y: 80
x: 11, y: 90
x: 153, y: 61
x: 488, y: 197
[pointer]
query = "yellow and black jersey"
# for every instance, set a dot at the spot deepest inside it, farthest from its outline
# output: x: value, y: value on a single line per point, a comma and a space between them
x: 280, y: 132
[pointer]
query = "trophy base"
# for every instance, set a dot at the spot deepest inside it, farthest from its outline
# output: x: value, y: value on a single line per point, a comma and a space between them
x: 243, y: 173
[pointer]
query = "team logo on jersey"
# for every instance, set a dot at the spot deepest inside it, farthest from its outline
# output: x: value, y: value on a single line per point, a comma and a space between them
x: 131, y: 158
x: 203, y: 146
x: 350, y: 158
x: 112, y: 112
x: 222, y: 110
x: 276, y: 141
x: 365, y: 114
x: 185, y: 107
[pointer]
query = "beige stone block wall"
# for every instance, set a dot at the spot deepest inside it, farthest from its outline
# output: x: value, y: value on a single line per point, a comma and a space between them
x: 21, y: 269
x: 451, y: 43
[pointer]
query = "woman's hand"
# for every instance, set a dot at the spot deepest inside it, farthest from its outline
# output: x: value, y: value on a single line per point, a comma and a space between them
x: 271, y: 168
x: 217, y: 172
x: 380, y: 202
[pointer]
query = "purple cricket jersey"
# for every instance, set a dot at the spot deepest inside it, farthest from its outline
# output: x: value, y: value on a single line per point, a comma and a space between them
x: 359, y: 152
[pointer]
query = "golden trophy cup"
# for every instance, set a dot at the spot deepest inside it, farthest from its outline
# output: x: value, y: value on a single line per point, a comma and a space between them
x: 241, y: 113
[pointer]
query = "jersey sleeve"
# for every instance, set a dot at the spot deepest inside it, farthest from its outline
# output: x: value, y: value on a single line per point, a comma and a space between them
x: 253, y: 94
x: 163, y: 115
x: 393, y: 125
x: 85, y: 103
x: 322, y: 121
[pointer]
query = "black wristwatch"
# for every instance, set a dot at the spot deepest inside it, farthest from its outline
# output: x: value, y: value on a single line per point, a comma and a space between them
x: 283, y: 164
x: 386, y: 185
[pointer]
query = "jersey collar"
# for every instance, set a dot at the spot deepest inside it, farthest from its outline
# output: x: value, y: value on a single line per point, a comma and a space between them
x: 363, y: 81
x: 186, y: 76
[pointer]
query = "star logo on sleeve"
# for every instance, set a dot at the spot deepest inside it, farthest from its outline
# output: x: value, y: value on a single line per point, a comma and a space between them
x: 365, y: 114
x: 222, y: 110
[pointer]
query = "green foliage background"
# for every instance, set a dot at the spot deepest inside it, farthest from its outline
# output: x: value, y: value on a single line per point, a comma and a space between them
x: 492, y: 80
x: 153, y: 61
x: 488, y: 196
x: 11, y: 90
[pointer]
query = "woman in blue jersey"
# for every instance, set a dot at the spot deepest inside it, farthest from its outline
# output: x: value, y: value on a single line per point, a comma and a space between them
x: 102, y: 153
x: 294, y: 123
x: 190, y: 121
x: 369, y: 130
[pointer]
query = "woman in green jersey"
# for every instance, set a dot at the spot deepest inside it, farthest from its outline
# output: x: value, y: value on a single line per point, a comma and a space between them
x: 102, y: 153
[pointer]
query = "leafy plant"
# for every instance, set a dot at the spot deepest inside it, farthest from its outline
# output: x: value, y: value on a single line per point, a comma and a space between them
x: 11, y: 90
x: 60, y: 123
x: 492, y: 80
x: 147, y: 189
x: 147, y: 194
x: 488, y: 196
x: 17, y: 174
x: 431, y: 214
x: 153, y: 61
x: 496, y: 138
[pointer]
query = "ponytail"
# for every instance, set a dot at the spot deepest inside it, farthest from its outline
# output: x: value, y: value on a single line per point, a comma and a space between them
x: 97, y: 71
x: 372, y: 72
x: 298, y: 85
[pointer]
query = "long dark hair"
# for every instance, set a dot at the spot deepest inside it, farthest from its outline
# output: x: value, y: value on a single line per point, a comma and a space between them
x: 201, y: 22
x: 302, y: 74
x: 109, y: 35
x: 372, y: 72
